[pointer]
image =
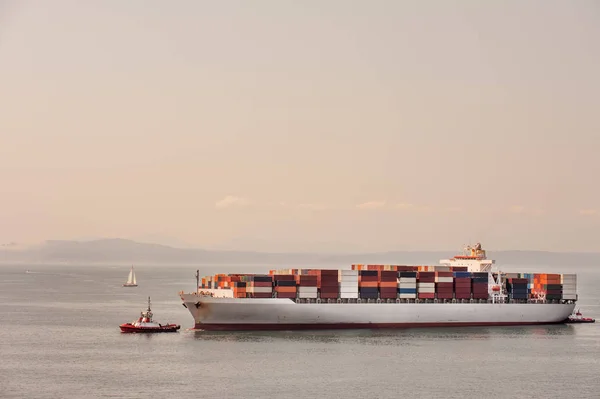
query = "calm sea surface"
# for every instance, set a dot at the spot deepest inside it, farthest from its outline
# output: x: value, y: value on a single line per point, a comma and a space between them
x: 59, y: 338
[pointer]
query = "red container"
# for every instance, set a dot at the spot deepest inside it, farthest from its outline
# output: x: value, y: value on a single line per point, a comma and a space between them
x: 518, y: 280
x: 329, y: 295
x: 444, y: 274
x: 307, y: 280
x: 426, y: 295
x: 426, y: 277
x: 388, y: 293
x: 467, y: 290
x: 460, y: 268
x: 284, y: 277
x: 261, y: 283
x: 260, y: 295
x: 286, y: 295
x: 462, y: 295
x: 445, y: 295
x: 444, y: 286
x: 388, y: 275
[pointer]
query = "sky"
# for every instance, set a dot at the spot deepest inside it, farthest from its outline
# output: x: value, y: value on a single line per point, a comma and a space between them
x: 281, y: 125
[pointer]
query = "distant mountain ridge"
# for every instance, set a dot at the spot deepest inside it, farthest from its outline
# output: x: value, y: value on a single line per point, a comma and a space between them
x: 123, y: 251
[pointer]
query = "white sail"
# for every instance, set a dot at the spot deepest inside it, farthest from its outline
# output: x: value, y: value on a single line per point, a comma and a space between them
x: 131, y: 280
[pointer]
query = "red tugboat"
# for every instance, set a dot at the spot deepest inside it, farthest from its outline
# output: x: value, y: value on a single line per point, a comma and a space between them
x: 145, y: 324
x: 578, y: 318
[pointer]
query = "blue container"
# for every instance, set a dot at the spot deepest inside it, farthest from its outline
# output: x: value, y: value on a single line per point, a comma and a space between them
x: 368, y: 272
x: 407, y: 274
x: 370, y: 293
x: 286, y: 283
x: 516, y: 295
x: 462, y: 274
x: 407, y: 290
x: 262, y: 279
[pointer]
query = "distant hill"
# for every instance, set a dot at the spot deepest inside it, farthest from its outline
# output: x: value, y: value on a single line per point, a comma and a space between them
x: 121, y: 251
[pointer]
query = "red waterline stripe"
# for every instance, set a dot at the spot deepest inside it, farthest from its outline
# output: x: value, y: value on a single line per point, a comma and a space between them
x: 349, y: 326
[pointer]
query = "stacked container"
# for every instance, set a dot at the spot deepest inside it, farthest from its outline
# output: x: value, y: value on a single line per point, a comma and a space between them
x: 348, y: 284
x: 444, y: 284
x: 388, y: 284
x: 569, y: 286
x: 259, y: 286
x: 462, y: 285
x: 480, y: 285
x: 517, y: 288
x: 307, y: 286
x: 407, y: 285
x: 367, y: 284
x: 554, y: 288
x: 426, y: 285
x: 285, y: 285
x: 328, y: 283
x: 239, y: 289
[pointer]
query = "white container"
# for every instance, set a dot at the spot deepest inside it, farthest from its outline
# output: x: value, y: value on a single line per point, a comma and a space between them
x: 569, y: 296
x: 408, y: 279
x: 260, y: 290
x: 349, y: 295
x: 407, y: 285
x: 426, y: 290
x: 307, y: 295
x: 408, y: 296
x: 352, y: 286
x: 444, y: 279
x: 426, y: 285
x: 349, y: 272
x: 307, y: 289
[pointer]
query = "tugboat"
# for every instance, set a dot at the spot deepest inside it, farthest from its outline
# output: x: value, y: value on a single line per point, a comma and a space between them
x: 145, y: 324
x: 578, y: 318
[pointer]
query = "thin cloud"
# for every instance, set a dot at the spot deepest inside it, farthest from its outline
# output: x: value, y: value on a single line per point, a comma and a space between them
x: 312, y: 207
x: 371, y: 205
x: 231, y: 201
x: 413, y: 207
x: 589, y: 212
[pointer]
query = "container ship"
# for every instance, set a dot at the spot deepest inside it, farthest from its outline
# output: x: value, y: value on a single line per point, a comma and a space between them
x: 465, y: 290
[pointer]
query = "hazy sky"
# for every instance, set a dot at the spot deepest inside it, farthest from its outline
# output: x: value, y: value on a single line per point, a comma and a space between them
x: 302, y: 125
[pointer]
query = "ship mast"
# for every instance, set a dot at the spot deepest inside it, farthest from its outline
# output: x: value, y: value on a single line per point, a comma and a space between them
x: 197, y: 281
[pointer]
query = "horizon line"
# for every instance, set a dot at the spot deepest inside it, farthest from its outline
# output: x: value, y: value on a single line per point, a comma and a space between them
x: 7, y: 246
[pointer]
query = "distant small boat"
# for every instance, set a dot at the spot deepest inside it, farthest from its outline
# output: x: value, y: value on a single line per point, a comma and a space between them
x: 131, y: 281
x: 145, y: 324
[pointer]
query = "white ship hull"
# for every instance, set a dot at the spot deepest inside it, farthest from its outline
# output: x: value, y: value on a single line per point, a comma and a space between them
x: 221, y: 314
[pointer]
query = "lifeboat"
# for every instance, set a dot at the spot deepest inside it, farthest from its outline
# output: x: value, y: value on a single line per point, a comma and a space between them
x: 145, y: 324
x: 496, y: 288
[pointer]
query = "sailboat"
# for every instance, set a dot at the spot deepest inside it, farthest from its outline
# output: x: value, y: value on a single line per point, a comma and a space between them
x: 131, y: 282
